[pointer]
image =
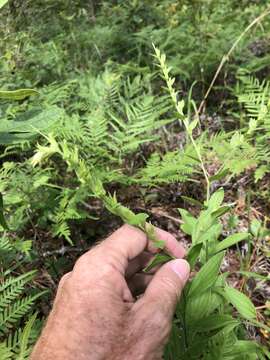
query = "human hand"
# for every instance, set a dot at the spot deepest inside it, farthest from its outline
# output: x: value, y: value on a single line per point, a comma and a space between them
x: 96, y: 314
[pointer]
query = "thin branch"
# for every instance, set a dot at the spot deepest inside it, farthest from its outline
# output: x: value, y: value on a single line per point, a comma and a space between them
x: 227, y: 56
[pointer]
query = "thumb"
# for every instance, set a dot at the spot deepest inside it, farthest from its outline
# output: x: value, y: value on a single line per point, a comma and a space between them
x: 165, y: 289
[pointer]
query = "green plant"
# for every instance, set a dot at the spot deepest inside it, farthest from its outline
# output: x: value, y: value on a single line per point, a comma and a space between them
x: 208, y: 300
x: 18, y: 325
x: 253, y: 96
x: 208, y: 329
x: 99, y: 126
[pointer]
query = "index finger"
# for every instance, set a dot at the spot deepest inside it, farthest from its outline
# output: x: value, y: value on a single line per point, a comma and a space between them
x: 128, y: 242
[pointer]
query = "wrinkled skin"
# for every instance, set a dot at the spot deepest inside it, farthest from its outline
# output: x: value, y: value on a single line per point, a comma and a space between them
x: 97, y: 313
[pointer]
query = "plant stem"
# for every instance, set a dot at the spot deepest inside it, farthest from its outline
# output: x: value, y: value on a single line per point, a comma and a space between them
x: 203, y: 167
x: 227, y: 56
x: 179, y: 105
x: 184, y: 321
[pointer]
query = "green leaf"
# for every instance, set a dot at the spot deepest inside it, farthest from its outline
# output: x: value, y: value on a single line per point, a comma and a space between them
x: 27, y: 125
x: 251, y: 274
x: 2, y: 3
x: 242, y: 347
x: 207, y: 276
x: 24, y: 341
x: 5, y: 352
x: 201, y: 306
x: 2, y: 219
x: 216, y: 199
x: 151, y: 234
x: 231, y: 240
x: 252, y: 125
x: 202, y: 227
x: 260, y: 172
x: 17, y: 94
x: 138, y: 219
x: 241, y: 302
x: 214, y: 322
x: 221, y: 211
x: 192, y: 201
x: 193, y: 254
x: 189, y: 221
x: 191, y: 126
x: 255, y: 227
x: 198, y: 307
x: 219, y: 175
x: 157, y: 260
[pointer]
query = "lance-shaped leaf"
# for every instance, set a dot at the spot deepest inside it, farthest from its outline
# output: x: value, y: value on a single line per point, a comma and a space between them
x: 219, y: 175
x: 221, y: 211
x: 207, y: 276
x: 214, y: 322
x: 17, y: 94
x: 193, y: 254
x: 28, y: 125
x: 192, y: 201
x: 231, y: 240
x: 189, y: 221
x: 241, y: 302
x: 216, y: 199
x: 157, y: 260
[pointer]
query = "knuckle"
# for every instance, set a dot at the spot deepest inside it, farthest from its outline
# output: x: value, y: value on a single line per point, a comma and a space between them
x: 171, y: 287
x: 80, y: 263
x: 92, y: 265
x: 154, y: 324
x: 64, y: 279
x: 86, y: 259
x: 83, y: 261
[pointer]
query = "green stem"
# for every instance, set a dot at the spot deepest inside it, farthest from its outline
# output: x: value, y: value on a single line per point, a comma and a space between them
x: 179, y: 105
x: 184, y: 321
x: 202, y: 166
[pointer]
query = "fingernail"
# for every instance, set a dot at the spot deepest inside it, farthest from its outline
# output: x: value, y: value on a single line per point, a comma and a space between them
x: 181, y: 268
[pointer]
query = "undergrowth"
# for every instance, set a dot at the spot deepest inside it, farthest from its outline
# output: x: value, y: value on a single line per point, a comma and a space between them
x: 91, y: 121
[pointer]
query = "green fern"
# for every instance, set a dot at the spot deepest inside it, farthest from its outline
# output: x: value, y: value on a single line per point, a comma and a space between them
x: 175, y: 166
x: 233, y: 151
x: 24, y: 349
x: 254, y: 96
x: 12, y: 306
x: 5, y: 246
x: 5, y: 352
x: 18, y: 329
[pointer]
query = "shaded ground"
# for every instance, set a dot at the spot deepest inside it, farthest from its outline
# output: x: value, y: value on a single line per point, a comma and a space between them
x: 55, y: 257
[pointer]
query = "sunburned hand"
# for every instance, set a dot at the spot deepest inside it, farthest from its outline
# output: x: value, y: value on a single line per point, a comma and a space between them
x: 96, y: 315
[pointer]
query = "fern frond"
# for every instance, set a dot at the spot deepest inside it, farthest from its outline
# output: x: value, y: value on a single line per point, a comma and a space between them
x: 175, y: 166
x: 236, y: 154
x: 62, y: 229
x: 255, y: 97
x: 24, y: 348
x: 12, y: 314
x: 5, y: 245
x: 5, y: 352
x: 57, y: 93
x: 16, y: 280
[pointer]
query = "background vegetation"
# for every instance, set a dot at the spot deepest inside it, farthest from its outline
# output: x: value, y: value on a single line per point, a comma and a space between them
x: 100, y: 114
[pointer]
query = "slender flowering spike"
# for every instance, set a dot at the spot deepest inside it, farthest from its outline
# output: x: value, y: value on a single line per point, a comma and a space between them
x: 179, y: 105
